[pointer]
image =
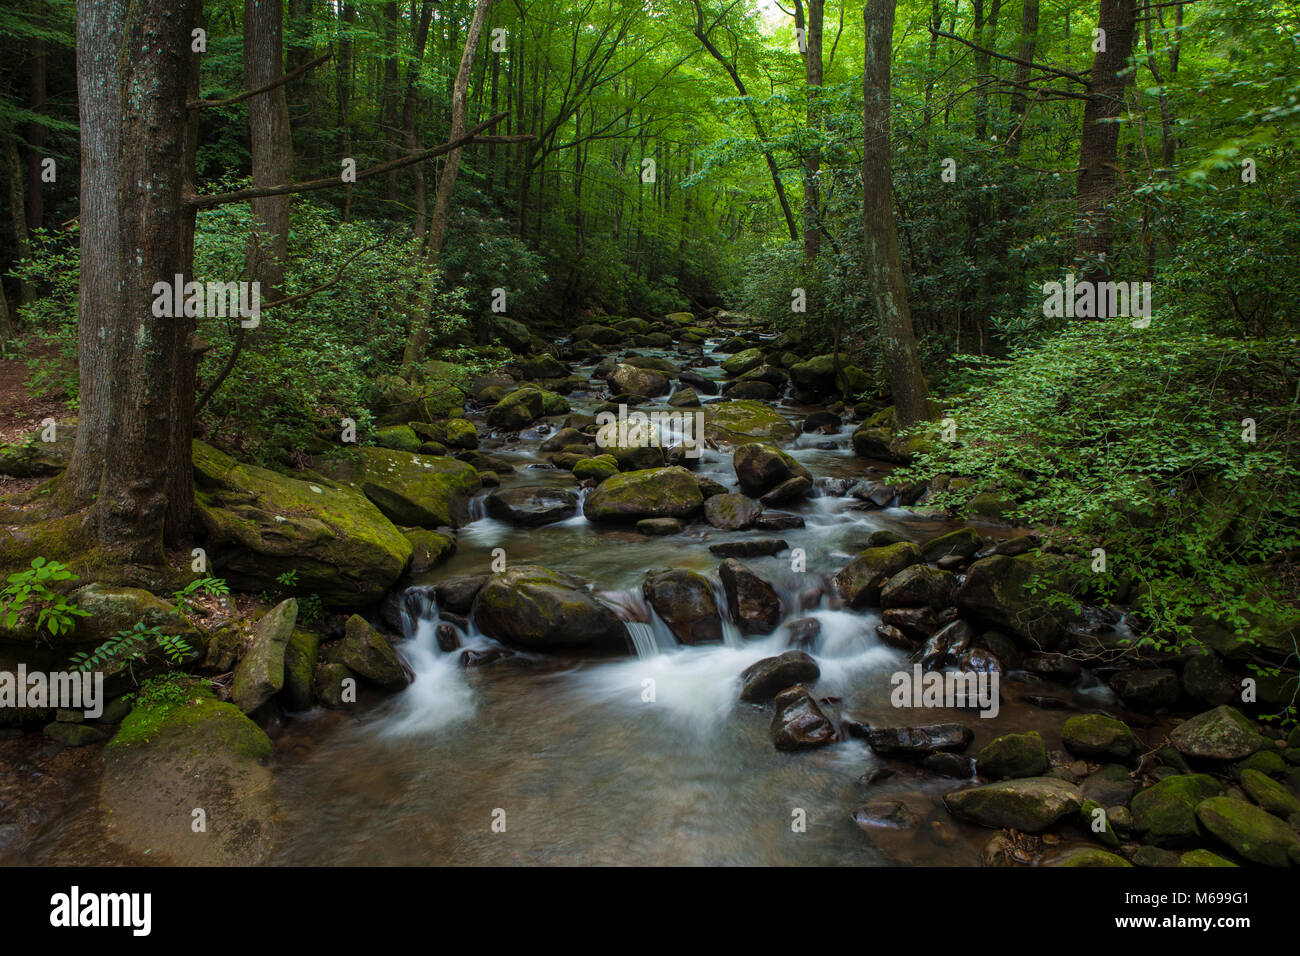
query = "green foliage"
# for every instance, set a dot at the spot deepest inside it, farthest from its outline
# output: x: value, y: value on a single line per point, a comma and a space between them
x: 1132, y: 440
x: 212, y: 587
x: 128, y: 647
x: 30, y: 589
x: 164, y: 691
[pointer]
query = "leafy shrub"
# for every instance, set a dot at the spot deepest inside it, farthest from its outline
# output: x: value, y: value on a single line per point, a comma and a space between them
x: 54, y: 612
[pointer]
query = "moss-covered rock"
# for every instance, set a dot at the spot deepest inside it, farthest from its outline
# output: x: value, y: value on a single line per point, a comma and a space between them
x: 1203, y: 858
x: 74, y: 735
x: 1030, y: 804
x: 168, y: 761
x: 1013, y: 756
x: 1221, y: 734
x: 536, y: 609
x: 1270, y: 794
x: 741, y: 421
x: 461, y: 433
x: 261, y: 524
x: 1165, y: 814
x: 760, y: 467
x: 517, y: 410
x: 1013, y: 594
x: 428, y: 548
x: 33, y: 457
x: 410, y: 489
x: 1098, y: 737
x: 300, y: 656
x: 649, y: 493
x: 1250, y: 831
x: 367, y: 653
x: 260, y: 674
x: 1087, y: 856
x: 742, y: 362
x: 399, y: 437
x: 597, y: 469
x: 859, y: 582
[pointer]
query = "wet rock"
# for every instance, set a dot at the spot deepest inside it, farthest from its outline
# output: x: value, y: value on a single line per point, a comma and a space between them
x: 335, y: 685
x: 1270, y: 794
x: 1223, y: 733
x: 685, y: 602
x: 765, y: 679
x: 1053, y: 667
x: 979, y: 660
x: 1250, y: 831
x: 448, y: 637
x: 799, y: 723
x: 1030, y: 804
x: 787, y: 491
x: 596, y: 469
x: 660, y: 527
x: 859, y: 582
x: 777, y: 521
x: 532, y: 507
x: 757, y: 391
x: 652, y: 493
x: 916, y: 742
x: 752, y: 601
x: 1013, y: 755
x: 367, y: 653
x: 428, y: 548
x: 998, y: 592
x: 731, y: 512
x: 828, y: 423
x: 471, y: 657
x: 742, y: 362
x: 949, y: 765
x: 685, y: 398
x: 260, y: 674
x: 1154, y: 856
x: 1165, y: 814
x: 702, y: 385
x: 749, y: 548
x: 300, y: 655
x: 742, y: 421
x: 917, y: 622
x: 1111, y: 786
x: 1203, y: 858
x: 761, y: 467
x: 1086, y: 856
x: 803, y: 632
x: 1206, y: 679
x: 1146, y: 689
x: 517, y: 410
x: 886, y: 815
x: 535, y: 609
x: 482, y: 461
x: 919, y: 585
x: 457, y: 594
x: 961, y: 543
x: 944, y: 647
x: 1098, y: 737
x: 893, y: 637
x: 709, y: 487
x: 563, y: 438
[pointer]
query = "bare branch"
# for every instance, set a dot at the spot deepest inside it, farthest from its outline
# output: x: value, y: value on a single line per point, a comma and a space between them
x: 249, y: 94
x: 1076, y: 77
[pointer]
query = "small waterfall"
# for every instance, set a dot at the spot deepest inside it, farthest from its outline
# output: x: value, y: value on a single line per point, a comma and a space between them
x: 731, y: 635
x: 439, y: 694
x: 477, y: 508
x: 650, y: 635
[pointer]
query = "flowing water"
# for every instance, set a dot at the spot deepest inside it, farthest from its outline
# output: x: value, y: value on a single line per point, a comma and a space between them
x: 647, y: 759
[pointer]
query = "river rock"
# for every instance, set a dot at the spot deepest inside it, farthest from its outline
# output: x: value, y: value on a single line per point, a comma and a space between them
x: 943, y: 648
x: 300, y: 656
x: 596, y: 469
x: 752, y: 601
x: 919, y: 585
x: 886, y: 815
x: 428, y: 548
x: 1053, y: 667
x: 413, y: 490
x: 787, y: 491
x: 650, y: 493
x: 777, y: 521
x: 748, y: 548
x: 1250, y: 831
x: 731, y: 512
x: 1222, y: 734
x: 998, y: 593
x: 457, y: 594
x: 1098, y: 737
x: 916, y: 742
x: 859, y: 582
x: 1269, y: 794
x: 1206, y: 679
x: 1111, y: 786
x: 260, y: 524
x: 517, y: 410
x: 166, y: 761
x: 802, y: 632
x: 684, y: 398
x: 1086, y: 856
x: 260, y: 674
x: 1146, y: 688
x: 758, y: 391
x: 702, y: 385
x: 1030, y: 804
x: 761, y: 467
x: 742, y: 362
x: 916, y: 622
x: 741, y: 421
x: 367, y: 653
x: 1013, y: 756
x: 640, y: 381
x: 962, y: 543
x: 765, y: 679
x: 799, y: 723
x: 1164, y: 814
x: 335, y: 685
x: 685, y: 602
x: 535, y: 609
x: 532, y: 507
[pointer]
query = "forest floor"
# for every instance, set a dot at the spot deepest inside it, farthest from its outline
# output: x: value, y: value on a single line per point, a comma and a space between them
x: 21, y: 408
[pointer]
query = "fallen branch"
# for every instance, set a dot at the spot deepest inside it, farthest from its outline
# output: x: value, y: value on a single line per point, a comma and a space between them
x: 249, y: 94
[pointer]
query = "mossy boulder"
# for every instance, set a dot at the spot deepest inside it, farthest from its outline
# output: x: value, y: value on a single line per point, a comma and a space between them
x: 1221, y: 734
x: 1165, y: 814
x: 742, y: 362
x: 517, y: 410
x: 396, y: 400
x: 860, y: 582
x: 261, y: 524
x: 742, y: 420
x: 113, y: 609
x: 399, y: 437
x: 168, y: 761
x: 1269, y: 794
x: 33, y: 457
x: 428, y: 548
x: 760, y: 467
x: 1250, y: 831
x: 1000, y: 592
x: 1102, y: 738
x: 1203, y: 858
x: 731, y: 512
x: 512, y: 333
x: 648, y: 493
x: 961, y: 543
x: 425, y: 491
x: 536, y: 609
x: 461, y: 433
x: 1013, y: 756
x: 638, y: 381
x: 300, y: 656
x: 1087, y: 856
x: 684, y: 600
x: 367, y: 653
x: 260, y: 674
x: 1030, y: 804
x: 596, y: 469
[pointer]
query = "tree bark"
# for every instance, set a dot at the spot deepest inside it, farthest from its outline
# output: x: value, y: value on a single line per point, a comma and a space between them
x: 270, y: 143
x: 883, y: 264
x: 1099, y: 141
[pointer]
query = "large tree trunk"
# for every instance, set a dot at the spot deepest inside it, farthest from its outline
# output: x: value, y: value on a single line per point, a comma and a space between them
x: 442, y: 201
x: 1020, y: 98
x: 421, y: 198
x: 137, y: 400
x: 883, y: 265
x: 1099, y: 142
x: 269, y: 142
